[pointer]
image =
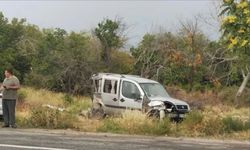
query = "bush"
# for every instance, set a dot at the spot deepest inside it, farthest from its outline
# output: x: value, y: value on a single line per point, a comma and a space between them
x: 51, y: 118
x: 212, y: 126
x: 160, y: 127
x: 78, y: 105
x: 227, y: 95
x: 152, y: 127
x: 22, y: 95
x: 22, y: 121
x: 191, y: 124
x: 68, y: 99
x: 247, y: 124
x: 233, y: 124
x: 192, y: 119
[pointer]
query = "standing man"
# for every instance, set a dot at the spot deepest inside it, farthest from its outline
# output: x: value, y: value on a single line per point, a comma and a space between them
x: 10, y: 86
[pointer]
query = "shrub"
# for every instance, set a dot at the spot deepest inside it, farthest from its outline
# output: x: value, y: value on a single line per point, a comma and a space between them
x: 234, y: 124
x: 22, y: 121
x: 22, y: 95
x: 152, y: 127
x: 162, y: 127
x: 193, y: 118
x: 247, y: 124
x: 78, y: 105
x: 212, y: 126
x: 68, y: 99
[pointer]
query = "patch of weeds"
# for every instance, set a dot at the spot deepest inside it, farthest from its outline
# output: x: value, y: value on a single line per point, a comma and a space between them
x: 234, y: 124
x: 110, y: 125
x: 51, y: 118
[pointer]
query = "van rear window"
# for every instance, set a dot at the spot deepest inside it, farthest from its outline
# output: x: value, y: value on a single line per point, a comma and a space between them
x: 110, y: 86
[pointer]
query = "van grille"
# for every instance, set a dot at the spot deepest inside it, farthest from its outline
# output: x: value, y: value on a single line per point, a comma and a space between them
x: 182, y: 107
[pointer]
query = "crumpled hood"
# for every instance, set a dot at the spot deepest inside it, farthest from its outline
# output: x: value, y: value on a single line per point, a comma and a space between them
x: 168, y: 99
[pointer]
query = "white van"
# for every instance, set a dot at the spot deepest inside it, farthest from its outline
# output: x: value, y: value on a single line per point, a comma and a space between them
x: 113, y: 93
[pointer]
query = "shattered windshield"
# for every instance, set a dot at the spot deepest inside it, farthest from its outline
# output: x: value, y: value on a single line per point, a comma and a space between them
x: 154, y: 90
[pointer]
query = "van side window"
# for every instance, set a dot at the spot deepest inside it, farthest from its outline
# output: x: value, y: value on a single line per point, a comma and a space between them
x: 130, y: 90
x: 98, y: 84
x: 110, y: 86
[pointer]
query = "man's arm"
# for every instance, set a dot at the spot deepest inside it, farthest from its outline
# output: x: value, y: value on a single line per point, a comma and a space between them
x: 13, y: 87
x: 1, y: 88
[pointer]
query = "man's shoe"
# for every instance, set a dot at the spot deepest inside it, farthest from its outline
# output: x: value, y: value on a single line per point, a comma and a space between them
x: 13, y: 126
x: 5, y: 126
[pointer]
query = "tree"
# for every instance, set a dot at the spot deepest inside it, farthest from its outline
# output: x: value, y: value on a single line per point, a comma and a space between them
x: 12, y: 34
x: 236, y: 35
x: 145, y: 55
x: 178, y: 59
x: 194, y: 45
x: 109, y: 33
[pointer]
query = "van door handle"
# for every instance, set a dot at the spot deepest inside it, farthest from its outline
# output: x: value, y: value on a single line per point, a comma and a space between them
x: 122, y: 100
x: 114, y: 99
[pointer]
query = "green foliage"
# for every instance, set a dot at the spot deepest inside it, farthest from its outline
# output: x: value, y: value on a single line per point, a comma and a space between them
x: 122, y: 63
x: 108, y: 32
x: 68, y: 99
x: 12, y: 34
x: 236, y: 30
x: 64, y: 61
x: 175, y: 59
x: 110, y: 125
x: 57, y: 60
x: 79, y: 105
x: 160, y: 127
x: 236, y: 24
x: 156, y: 127
x: 234, y: 124
x: 22, y: 95
x: 193, y: 118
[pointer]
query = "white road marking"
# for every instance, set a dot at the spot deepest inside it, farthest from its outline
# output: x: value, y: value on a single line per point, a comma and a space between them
x: 30, y: 147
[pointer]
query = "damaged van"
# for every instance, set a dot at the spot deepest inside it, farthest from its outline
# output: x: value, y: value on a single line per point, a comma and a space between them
x: 114, y: 93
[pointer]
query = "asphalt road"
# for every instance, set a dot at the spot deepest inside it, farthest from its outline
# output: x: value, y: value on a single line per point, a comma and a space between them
x: 13, y: 139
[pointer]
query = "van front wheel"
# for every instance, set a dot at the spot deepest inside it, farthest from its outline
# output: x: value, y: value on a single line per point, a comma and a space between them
x: 97, y: 113
x: 153, y: 113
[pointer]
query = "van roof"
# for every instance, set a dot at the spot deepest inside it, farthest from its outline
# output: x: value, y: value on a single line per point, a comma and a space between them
x: 135, y: 78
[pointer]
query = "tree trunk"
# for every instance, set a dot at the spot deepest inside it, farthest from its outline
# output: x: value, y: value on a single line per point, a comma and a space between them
x: 243, y: 85
x: 190, y: 78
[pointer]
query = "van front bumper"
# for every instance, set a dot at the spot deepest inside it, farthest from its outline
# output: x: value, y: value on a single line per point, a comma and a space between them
x: 176, y: 115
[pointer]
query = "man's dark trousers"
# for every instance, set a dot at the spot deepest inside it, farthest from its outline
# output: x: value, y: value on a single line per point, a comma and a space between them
x: 9, y: 110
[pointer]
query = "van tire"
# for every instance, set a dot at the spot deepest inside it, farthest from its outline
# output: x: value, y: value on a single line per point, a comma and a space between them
x: 97, y: 113
x: 153, y: 113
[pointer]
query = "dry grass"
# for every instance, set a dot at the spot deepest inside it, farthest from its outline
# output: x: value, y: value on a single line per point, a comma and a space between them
x: 38, y: 97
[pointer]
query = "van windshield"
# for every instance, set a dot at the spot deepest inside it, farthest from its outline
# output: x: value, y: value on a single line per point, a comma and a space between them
x: 154, y: 89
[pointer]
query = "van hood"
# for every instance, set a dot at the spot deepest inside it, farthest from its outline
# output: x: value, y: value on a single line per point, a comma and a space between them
x: 168, y: 99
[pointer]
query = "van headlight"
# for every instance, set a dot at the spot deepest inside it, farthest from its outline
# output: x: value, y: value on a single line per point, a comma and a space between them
x: 157, y: 105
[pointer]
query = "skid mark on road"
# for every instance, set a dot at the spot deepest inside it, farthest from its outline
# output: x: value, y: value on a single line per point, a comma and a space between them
x: 30, y: 147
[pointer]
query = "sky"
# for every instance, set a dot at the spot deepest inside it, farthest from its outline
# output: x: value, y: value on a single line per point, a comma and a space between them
x: 140, y: 16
